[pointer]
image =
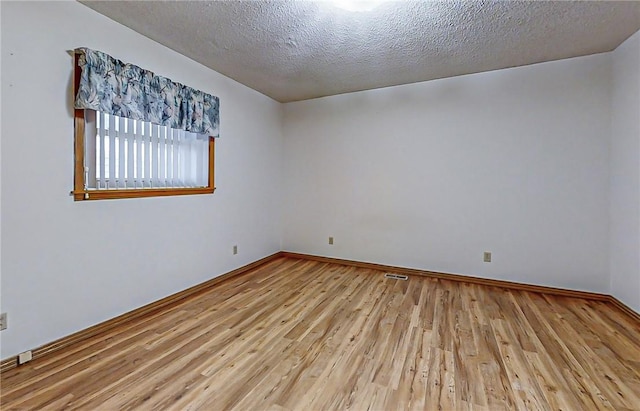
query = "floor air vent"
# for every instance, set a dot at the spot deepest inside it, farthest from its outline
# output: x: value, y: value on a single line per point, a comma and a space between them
x: 396, y: 276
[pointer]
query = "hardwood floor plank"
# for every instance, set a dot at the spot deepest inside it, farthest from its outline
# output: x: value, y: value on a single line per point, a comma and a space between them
x: 500, y: 394
x: 298, y: 334
x: 547, y: 381
x: 528, y: 394
x: 572, y: 368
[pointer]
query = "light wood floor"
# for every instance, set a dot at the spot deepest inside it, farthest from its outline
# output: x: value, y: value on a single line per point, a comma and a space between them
x: 304, y: 335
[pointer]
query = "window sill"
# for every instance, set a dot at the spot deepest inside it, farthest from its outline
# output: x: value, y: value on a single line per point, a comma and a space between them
x: 137, y: 193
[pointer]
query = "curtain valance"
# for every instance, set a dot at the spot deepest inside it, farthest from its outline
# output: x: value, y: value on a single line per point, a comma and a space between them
x: 126, y: 90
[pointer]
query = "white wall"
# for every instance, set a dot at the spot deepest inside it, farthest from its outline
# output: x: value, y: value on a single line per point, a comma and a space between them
x: 430, y: 175
x: 68, y: 265
x: 625, y: 174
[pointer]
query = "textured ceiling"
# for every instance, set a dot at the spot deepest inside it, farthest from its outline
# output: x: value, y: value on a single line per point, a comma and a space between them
x: 297, y: 50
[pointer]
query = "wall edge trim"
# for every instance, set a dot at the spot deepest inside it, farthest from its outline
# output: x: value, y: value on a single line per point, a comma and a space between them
x: 623, y: 307
x: 511, y: 285
x: 138, y: 313
x: 181, y: 296
x: 458, y: 277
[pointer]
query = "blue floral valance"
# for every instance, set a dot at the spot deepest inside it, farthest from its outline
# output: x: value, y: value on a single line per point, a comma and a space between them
x: 126, y: 90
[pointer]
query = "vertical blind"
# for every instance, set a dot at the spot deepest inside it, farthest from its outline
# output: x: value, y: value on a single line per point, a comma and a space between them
x: 138, y: 154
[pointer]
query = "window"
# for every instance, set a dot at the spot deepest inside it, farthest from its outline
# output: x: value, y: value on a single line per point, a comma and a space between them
x: 121, y: 157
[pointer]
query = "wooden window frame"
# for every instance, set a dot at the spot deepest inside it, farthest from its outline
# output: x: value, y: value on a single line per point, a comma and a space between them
x: 81, y: 194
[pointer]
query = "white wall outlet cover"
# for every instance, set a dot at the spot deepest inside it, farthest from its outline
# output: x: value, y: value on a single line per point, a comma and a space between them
x: 25, y: 357
x: 3, y: 321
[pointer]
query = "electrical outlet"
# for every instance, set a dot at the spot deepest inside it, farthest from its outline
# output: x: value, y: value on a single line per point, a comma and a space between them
x: 3, y: 321
x: 235, y: 249
x: 487, y: 256
x: 330, y: 240
x: 24, y: 357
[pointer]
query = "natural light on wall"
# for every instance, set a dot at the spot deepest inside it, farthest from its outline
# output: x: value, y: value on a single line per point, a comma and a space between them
x: 357, y: 5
